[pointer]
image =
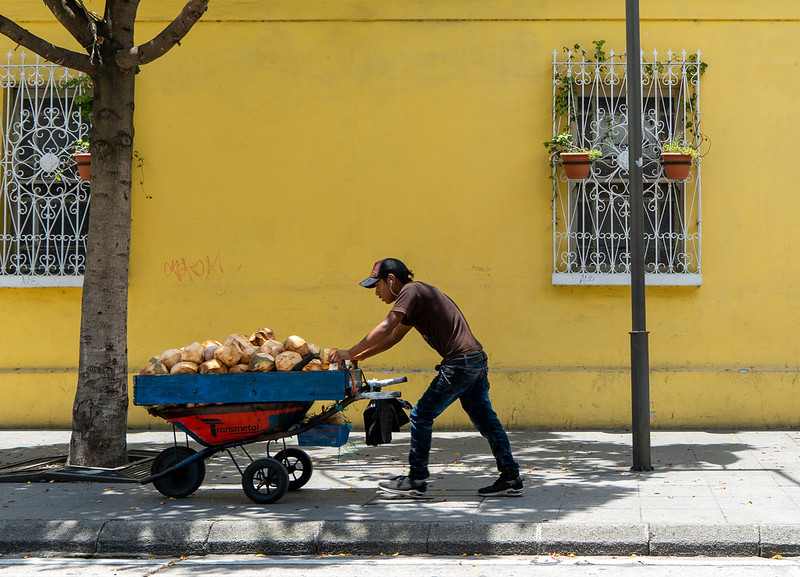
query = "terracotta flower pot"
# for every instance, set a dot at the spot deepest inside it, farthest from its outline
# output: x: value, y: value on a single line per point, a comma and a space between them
x: 84, y: 160
x: 676, y: 165
x: 576, y: 164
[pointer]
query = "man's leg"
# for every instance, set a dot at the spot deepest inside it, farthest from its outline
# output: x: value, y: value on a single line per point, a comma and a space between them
x: 442, y: 392
x: 477, y: 405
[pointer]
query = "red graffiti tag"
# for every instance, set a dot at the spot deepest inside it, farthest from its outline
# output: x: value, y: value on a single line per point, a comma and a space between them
x: 200, y: 269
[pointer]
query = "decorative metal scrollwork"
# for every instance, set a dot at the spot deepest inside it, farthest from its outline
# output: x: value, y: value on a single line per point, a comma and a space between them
x: 591, y: 217
x: 44, y: 203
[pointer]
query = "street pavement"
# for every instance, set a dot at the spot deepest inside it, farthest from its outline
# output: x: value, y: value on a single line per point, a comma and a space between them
x: 734, y: 493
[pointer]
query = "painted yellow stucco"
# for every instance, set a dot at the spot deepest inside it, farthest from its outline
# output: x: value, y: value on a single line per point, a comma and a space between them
x: 289, y: 145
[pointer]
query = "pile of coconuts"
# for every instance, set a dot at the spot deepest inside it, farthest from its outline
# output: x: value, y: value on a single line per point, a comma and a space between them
x: 259, y: 353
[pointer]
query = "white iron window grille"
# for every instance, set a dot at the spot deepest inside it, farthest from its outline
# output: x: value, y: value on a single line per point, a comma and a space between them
x: 591, y: 217
x: 44, y: 204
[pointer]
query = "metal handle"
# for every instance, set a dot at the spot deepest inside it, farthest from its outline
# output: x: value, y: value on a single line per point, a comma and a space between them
x: 376, y: 384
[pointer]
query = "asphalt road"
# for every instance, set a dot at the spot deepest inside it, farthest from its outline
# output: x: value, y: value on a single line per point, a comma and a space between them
x: 407, y: 566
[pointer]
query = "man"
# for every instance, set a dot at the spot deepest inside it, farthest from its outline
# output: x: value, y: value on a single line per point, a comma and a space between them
x: 461, y: 375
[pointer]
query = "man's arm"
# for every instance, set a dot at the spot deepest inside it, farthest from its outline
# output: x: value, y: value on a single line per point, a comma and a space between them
x: 385, y: 335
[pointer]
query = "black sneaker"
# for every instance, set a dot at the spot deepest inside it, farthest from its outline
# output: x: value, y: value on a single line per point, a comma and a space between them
x: 403, y: 485
x: 503, y: 488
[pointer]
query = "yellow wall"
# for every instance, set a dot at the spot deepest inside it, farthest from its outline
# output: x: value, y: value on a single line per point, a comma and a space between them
x: 287, y: 146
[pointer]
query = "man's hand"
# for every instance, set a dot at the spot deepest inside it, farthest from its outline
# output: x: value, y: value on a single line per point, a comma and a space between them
x: 337, y: 355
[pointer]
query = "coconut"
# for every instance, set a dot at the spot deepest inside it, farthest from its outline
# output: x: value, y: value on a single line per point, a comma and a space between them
x: 296, y: 344
x: 313, y: 365
x: 170, y: 358
x: 208, y: 352
x: 261, y: 363
x: 325, y: 357
x: 214, y: 367
x: 271, y: 347
x: 247, y: 353
x: 155, y: 367
x: 183, y: 368
x: 192, y: 353
x: 261, y: 336
x: 337, y: 418
x: 238, y: 338
x: 229, y: 354
x: 287, y: 360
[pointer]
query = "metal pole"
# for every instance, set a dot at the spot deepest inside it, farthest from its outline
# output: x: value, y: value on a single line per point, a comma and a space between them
x: 640, y: 377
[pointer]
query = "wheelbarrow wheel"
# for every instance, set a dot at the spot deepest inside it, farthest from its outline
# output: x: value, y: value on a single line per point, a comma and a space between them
x: 298, y: 465
x: 265, y: 481
x: 184, y: 480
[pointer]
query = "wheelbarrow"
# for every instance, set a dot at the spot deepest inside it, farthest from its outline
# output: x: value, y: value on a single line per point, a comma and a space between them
x: 222, y: 412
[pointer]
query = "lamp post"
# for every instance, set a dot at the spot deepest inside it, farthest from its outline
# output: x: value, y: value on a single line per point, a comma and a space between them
x: 640, y: 378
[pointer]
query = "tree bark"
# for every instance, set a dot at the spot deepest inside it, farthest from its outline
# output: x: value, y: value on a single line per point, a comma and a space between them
x: 99, y: 419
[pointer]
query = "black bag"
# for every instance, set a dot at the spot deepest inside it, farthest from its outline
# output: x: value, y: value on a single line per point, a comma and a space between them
x: 382, y: 417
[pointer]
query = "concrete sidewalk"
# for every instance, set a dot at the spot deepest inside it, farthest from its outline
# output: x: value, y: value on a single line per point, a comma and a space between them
x: 711, y: 493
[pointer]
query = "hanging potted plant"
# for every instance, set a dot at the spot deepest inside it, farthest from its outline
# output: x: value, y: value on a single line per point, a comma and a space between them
x: 84, y: 159
x: 577, y: 161
x: 677, y: 158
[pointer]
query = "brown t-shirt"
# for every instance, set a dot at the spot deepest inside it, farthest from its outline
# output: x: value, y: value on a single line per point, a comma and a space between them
x: 437, y: 318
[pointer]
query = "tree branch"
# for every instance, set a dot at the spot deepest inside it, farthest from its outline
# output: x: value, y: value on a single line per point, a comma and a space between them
x: 46, y: 50
x: 76, y: 19
x: 169, y: 37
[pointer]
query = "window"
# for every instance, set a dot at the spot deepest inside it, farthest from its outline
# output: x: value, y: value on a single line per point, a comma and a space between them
x: 591, y: 217
x: 43, y: 203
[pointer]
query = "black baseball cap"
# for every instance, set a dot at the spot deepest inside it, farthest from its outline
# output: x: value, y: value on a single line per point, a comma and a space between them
x: 383, y: 268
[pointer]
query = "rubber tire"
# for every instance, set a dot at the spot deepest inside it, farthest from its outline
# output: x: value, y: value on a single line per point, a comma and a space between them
x: 298, y: 465
x: 183, y: 481
x: 265, y: 481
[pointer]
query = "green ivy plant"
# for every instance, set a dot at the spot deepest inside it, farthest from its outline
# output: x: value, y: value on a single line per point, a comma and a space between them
x: 83, y: 99
x: 566, y: 84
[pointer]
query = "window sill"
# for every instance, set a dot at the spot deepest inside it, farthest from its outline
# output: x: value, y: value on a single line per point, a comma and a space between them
x: 624, y: 279
x: 32, y: 281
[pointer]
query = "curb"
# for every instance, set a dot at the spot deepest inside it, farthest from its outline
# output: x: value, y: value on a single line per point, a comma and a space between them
x: 120, y: 538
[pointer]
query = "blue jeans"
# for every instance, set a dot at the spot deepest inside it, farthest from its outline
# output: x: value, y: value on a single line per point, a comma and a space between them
x: 470, y: 385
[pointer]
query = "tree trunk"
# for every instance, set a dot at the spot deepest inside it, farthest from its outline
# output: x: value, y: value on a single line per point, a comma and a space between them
x: 99, y: 421
x: 100, y: 411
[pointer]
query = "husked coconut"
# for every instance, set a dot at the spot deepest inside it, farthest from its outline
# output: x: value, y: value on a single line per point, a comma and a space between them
x: 287, y: 360
x: 241, y: 368
x: 313, y: 349
x: 229, y: 354
x: 170, y: 358
x: 325, y: 358
x: 296, y: 344
x: 271, y: 347
x: 192, y: 353
x: 213, y: 367
x: 208, y: 352
x: 247, y: 353
x: 183, y: 368
x: 261, y: 336
x: 239, y: 339
x: 211, y: 343
x: 337, y: 418
x: 313, y: 365
x: 155, y: 367
x: 261, y: 363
